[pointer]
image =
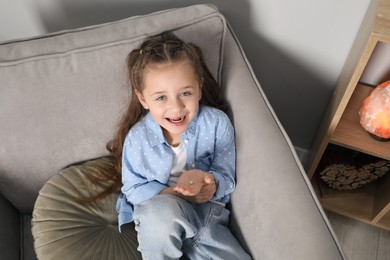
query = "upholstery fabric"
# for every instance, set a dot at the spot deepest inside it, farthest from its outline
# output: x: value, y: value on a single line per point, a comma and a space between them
x: 66, y: 228
x: 61, y: 94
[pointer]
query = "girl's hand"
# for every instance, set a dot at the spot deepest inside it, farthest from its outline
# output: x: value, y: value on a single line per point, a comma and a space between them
x: 191, y: 182
x: 206, y: 193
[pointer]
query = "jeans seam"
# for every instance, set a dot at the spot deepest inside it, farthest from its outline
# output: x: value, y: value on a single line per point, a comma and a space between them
x: 196, y: 241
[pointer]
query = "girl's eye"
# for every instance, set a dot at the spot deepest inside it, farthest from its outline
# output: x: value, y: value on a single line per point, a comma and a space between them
x: 184, y: 94
x: 160, y: 98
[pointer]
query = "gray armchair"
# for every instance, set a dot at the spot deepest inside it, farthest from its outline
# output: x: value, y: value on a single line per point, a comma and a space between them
x: 60, y: 98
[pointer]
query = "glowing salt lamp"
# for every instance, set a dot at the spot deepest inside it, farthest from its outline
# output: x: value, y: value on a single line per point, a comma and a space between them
x: 375, y: 111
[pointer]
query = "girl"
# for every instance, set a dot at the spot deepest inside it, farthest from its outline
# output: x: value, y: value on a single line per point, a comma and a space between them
x: 176, y: 152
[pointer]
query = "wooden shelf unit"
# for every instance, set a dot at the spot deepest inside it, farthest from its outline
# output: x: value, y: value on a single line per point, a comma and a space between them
x: 340, y: 124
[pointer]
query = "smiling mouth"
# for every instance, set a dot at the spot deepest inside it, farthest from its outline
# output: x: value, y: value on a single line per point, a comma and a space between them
x: 177, y: 120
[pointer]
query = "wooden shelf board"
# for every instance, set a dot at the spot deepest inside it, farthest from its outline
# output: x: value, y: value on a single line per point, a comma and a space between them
x: 350, y: 134
x: 346, y: 205
x: 382, y: 21
x: 382, y: 200
x: 360, y: 213
x: 355, y: 207
x: 360, y: 207
x: 385, y: 222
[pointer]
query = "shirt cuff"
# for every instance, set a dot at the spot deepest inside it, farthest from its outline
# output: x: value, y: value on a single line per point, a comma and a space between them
x: 225, y: 186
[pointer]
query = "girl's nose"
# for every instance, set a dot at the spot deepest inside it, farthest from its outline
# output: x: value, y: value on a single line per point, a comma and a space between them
x: 177, y: 104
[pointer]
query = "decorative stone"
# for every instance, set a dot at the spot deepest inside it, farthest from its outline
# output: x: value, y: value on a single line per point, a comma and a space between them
x: 375, y: 111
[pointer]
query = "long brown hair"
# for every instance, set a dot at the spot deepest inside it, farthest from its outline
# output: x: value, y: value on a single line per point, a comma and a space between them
x: 160, y: 49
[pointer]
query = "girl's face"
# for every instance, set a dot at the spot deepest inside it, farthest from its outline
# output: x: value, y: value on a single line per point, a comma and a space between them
x: 171, y: 94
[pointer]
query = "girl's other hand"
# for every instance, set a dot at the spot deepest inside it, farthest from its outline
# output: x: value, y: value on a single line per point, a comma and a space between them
x: 206, y: 193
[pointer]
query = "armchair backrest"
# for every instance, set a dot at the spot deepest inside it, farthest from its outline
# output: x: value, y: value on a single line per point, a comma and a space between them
x: 61, y: 95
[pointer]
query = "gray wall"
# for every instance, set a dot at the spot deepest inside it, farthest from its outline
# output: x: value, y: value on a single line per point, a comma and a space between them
x: 296, y: 47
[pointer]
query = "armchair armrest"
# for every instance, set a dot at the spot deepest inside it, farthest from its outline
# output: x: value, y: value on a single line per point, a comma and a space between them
x: 274, y: 209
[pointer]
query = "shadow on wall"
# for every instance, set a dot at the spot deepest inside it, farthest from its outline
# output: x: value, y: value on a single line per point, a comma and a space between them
x: 297, y: 95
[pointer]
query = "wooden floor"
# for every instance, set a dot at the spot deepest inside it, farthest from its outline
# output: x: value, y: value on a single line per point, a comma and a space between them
x: 359, y: 240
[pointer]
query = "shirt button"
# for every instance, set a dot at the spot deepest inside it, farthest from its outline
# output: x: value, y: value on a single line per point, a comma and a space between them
x: 186, y: 141
x: 193, y: 165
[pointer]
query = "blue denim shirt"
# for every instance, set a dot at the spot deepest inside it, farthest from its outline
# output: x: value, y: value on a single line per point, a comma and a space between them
x: 147, y: 158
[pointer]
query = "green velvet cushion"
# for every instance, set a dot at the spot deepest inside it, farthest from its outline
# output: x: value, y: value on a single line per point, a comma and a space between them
x: 64, y: 228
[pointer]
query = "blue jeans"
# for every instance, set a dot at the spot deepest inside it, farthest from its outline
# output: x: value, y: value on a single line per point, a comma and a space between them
x: 171, y: 228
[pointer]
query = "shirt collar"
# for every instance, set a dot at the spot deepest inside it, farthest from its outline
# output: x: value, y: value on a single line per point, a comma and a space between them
x: 155, y: 133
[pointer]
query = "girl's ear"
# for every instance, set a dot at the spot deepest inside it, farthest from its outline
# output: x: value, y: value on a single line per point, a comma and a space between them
x: 141, y: 99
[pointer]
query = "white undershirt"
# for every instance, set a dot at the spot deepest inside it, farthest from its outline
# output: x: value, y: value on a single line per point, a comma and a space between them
x: 179, y: 163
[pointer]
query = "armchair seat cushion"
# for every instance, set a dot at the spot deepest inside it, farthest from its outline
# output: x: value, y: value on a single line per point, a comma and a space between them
x: 64, y: 227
